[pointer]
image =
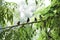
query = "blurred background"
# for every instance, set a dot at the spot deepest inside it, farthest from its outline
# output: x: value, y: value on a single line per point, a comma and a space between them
x: 44, y: 13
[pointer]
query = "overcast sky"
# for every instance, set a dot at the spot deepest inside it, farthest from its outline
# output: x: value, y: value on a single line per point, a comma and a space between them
x: 27, y: 10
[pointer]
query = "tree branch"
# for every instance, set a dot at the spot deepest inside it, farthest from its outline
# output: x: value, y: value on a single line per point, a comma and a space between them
x: 19, y: 25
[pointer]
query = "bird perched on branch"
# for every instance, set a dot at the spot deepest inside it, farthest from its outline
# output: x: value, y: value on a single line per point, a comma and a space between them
x: 35, y: 19
x: 18, y: 23
x: 28, y: 20
x: 40, y: 17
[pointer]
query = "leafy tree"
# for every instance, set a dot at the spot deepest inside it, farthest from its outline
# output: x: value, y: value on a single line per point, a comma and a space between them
x: 48, y: 26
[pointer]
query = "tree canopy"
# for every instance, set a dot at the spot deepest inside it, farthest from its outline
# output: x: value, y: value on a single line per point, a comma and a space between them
x: 46, y: 27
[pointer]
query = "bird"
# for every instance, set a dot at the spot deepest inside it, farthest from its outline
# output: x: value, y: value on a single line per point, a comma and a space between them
x: 36, y: 2
x: 35, y: 19
x: 40, y: 17
x: 28, y: 20
x: 18, y: 23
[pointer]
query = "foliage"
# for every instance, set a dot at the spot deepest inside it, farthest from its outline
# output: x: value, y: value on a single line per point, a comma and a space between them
x: 49, y: 25
x: 6, y: 12
x: 50, y: 15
